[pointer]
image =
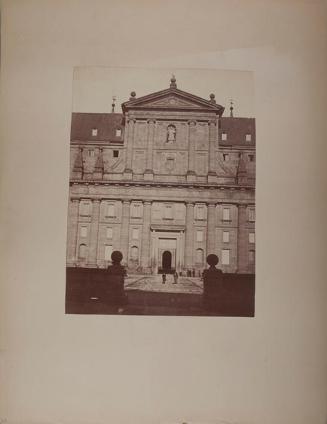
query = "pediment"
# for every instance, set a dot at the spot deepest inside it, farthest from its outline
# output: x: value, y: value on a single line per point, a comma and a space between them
x: 172, y: 99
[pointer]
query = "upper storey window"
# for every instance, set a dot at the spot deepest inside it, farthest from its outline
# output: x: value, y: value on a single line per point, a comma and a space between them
x: 251, y: 215
x: 248, y: 137
x: 224, y: 136
x: 226, y: 214
x: 168, y: 212
x: 118, y: 132
x: 94, y: 132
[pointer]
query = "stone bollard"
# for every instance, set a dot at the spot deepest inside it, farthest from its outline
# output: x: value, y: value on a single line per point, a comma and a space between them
x: 212, y: 283
x: 115, y: 293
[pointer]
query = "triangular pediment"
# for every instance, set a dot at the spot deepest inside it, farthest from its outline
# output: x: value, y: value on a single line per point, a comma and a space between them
x: 172, y: 99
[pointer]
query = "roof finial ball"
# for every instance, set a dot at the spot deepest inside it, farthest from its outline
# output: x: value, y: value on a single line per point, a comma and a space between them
x: 212, y: 98
x: 173, y: 81
x: 133, y: 95
x: 231, y: 108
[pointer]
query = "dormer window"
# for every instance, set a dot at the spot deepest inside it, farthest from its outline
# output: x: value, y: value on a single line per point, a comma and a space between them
x: 94, y: 132
x: 223, y: 136
x: 118, y: 132
x: 248, y: 137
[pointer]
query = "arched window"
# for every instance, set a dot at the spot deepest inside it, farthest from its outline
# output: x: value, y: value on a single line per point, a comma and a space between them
x: 199, y: 256
x: 134, y: 253
x: 82, y: 251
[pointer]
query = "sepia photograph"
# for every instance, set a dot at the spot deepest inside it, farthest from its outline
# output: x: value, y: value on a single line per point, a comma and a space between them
x: 161, y: 216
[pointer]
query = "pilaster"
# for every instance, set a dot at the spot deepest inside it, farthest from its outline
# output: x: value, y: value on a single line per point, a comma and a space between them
x: 124, y: 235
x: 146, y: 236
x: 191, y: 176
x: 129, y: 149
x: 72, y: 231
x: 242, y: 240
x: 211, y: 229
x: 93, y: 250
x: 189, y: 235
x: 148, y: 173
x: 212, y: 173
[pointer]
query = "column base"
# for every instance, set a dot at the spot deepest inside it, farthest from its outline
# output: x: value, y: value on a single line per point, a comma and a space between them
x: 212, y: 177
x: 128, y: 174
x: 191, y: 176
x: 148, y: 175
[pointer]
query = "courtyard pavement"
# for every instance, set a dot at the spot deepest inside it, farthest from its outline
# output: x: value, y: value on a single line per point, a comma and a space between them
x: 153, y: 283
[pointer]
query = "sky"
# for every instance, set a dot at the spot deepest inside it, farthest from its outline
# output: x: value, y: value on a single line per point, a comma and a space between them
x: 94, y: 87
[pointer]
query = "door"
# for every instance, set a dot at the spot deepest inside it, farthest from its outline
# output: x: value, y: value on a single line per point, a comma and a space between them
x: 166, y: 260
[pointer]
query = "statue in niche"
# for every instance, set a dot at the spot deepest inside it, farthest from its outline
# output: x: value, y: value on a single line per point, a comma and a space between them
x: 171, y: 134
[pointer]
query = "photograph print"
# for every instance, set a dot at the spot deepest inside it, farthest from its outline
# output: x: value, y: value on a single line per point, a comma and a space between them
x: 161, y: 214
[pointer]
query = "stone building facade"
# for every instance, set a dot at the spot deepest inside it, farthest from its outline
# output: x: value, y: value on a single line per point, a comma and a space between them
x: 167, y: 181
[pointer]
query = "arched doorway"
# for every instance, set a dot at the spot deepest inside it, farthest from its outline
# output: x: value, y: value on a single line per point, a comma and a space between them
x: 166, y: 260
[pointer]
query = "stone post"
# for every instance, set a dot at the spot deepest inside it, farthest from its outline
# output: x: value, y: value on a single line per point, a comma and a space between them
x: 129, y: 147
x: 148, y: 173
x: 242, y: 240
x: 191, y: 176
x: 189, y: 235
x: 145, y: 247
x: 211, y: 229
x: 93, y: 250
x: 212, y: 174
x: 124, y: 235
x: 72, y: 231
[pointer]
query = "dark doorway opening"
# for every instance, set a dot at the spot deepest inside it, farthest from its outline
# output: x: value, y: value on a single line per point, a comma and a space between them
x: 166, y: 260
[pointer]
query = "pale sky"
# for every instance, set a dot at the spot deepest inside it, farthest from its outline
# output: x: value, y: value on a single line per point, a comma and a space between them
x: 94, y: 87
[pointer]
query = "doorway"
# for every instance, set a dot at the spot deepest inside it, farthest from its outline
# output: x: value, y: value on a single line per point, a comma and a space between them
x: 166, y: 260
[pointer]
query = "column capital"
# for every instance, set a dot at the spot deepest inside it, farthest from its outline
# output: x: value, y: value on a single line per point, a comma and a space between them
x: 147, y: 202
x: 126, y: 201
x: 96, y: 200
x: 192, y: 122
x: 151, y: 121
x: 242, y: 205
x: 189, y: 204
x: 75, y: 200
x: 131, y: 120
x: 212, y: 122
x: 211, y: 204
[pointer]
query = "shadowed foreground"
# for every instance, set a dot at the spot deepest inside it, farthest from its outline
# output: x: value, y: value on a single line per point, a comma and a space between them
x: 88, y: 292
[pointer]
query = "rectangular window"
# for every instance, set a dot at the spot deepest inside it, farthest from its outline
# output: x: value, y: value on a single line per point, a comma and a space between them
x: 248, y: 137
x: 136, y: 211
x: 116, y: 153
x: 107, y: 252
x: 251, y: 256
x: 226, y: 157
x: 224, y: 136
x: 135, y: 233
x: 226, y: 236
x: 200, y: 212
x: 111, y: 210
x: 226, y: 214
x: 251, y: 215
x: 109, y: 233
x: 83, y: 232
x: 251, y: 158
x: 225, y: 257
x: 199, y: 235
x: 168, y: 212
x: 94, y: 132
x: 118, y: 132
x: 251, y: 238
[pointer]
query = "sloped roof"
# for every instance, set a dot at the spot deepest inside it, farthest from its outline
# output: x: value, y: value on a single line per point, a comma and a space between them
x: 106, y: 124
x: 236, y: 130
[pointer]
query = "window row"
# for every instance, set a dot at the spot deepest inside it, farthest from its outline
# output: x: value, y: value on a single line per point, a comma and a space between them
x: 224, y: 137
x: 167, y: 211
x: 227, y: 157
x: 118, y: 132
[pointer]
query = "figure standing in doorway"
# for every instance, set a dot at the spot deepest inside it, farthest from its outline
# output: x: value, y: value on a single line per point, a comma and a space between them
x: 175, y: 278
